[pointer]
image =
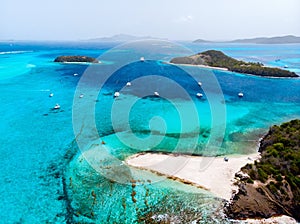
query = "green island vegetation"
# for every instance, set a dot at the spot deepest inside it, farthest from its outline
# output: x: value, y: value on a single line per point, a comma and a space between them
x: 215, y: 58
x: 280, y: 160
x: 76, y: 58
x: 275, y: 177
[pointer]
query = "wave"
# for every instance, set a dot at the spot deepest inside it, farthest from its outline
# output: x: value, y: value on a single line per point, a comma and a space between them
x: 14, y: 52
x: 30, y: 66
x: 44, y: 90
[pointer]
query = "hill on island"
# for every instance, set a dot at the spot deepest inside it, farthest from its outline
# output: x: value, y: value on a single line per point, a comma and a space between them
x: 215, y: 58
x: 289, y: 39
x: 121, y: 38
x: 271, y: 186
x: 270, y: 40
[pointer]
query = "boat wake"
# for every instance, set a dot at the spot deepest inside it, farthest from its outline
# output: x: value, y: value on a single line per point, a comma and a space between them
x: 14, y: 52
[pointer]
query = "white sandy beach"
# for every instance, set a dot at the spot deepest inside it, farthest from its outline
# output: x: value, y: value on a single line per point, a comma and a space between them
x: 210, y: 173
x: 283, y: 219
x: 81, y: 63
x: 200, y: 66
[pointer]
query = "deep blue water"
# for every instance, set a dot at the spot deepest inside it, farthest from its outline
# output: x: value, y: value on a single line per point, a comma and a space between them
x: 41, y: 162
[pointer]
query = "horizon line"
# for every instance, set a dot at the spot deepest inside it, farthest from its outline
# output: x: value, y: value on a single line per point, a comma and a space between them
x: 142, y: 37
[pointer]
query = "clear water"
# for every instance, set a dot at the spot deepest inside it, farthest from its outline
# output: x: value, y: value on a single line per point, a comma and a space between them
x: 43, y: 174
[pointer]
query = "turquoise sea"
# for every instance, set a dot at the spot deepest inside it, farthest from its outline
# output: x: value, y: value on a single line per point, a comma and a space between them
x: 66, y: 165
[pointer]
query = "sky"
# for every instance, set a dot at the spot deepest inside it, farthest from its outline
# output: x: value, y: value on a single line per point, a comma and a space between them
x: 171, y: 19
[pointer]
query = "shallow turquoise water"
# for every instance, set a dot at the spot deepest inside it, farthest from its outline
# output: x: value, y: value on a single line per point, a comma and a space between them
x: 37, y: 143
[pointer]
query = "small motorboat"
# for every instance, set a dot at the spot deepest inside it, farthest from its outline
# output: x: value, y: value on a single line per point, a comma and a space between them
x: 199, y: 95
x: 128, y: 84
x: 286, y: 66
x: 51, y: 94
x: 56, y: 107
x: 199, y: 83
x: 142, y: 59
x: 81, y: 95
x: 116, y: 94
x: 156, y: 93
x: 241, y: 94
x: 75, y: 74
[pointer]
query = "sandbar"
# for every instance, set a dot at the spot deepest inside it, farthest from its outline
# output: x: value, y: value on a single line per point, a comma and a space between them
x: 214, y: 174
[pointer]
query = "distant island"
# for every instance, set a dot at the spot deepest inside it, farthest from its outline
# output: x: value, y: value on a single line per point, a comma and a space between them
x: 76, y: 58
x: 271, y: 185
x: 203, y: 41
x: 218, y: 59
x: 120, y: 38
x: 289, y: 39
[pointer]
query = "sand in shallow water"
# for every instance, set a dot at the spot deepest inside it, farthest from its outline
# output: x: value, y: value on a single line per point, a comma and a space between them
x: 211, y: 173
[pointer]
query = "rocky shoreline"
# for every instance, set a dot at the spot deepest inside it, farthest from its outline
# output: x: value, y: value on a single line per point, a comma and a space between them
x: 268, y: 187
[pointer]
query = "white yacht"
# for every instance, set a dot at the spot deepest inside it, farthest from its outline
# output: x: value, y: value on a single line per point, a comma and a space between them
x: 56, y: 107
x: 75, y: 74
x: 117, y: 94
x: 199, y: 95
x: 51, y: 94
x: 128, y: 84
x: 199, y: 83
x: 156, y: 93
x: 241, y: 94
x: 81, y: 95
x: 142, y: 59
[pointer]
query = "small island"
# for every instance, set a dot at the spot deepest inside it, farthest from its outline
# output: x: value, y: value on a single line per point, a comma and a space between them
x: 76, y: 59
x: 218, y: 59
x: 271, y: 186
